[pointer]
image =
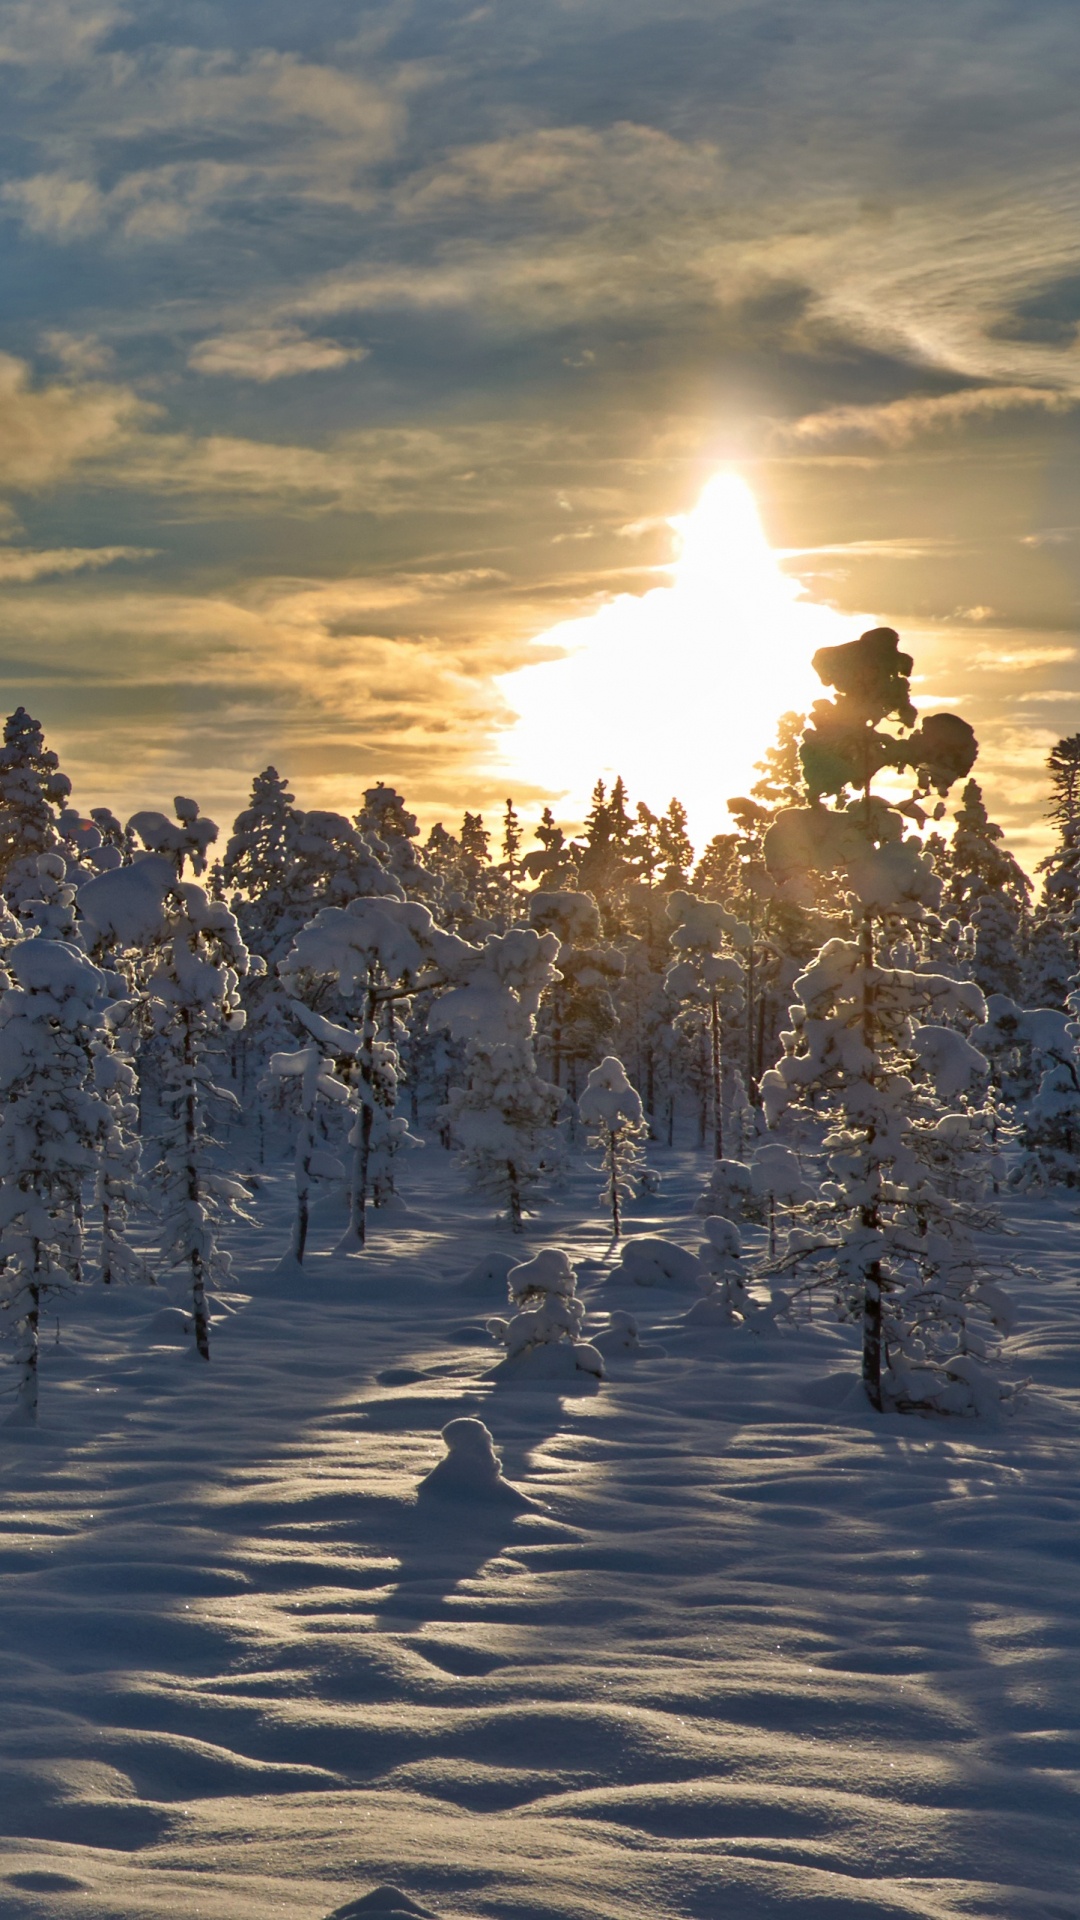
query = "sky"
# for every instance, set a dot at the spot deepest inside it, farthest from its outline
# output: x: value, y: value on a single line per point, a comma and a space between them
x: 346, y: 351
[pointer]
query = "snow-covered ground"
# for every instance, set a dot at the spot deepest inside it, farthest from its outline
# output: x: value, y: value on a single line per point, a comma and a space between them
x: 752, y: 1651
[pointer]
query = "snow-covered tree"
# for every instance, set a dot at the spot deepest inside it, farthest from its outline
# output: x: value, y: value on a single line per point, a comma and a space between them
x: 612, y: 1114
x: 32, y: 795
x: 390, y: 830
x: 722, y: 1277
x: 377, y: 953
x: 504, y: 1118
x: 901, y: 1252
x: 118, y: 1168
x: 703, y: 934
x: 310, y: 1071
x: 184, y: 839
x: 543, y: 1338
x: 578, y: 1019
x: 192, y: 1001
x: 1050, y: 964
x: 52, y: 1122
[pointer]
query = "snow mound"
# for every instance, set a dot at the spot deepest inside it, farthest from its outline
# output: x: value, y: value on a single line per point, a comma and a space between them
x: 383, y: 1903
x: 622, y: 1338
x: 648, y: 1261
x: 487, y: 1280
x: 470, y: 1471
x: 573, y: 1363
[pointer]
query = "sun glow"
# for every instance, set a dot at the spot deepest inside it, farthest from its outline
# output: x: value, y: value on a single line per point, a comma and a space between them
x: 678, y: 689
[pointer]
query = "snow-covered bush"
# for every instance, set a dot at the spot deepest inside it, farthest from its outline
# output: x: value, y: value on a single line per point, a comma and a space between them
x: 649, y: 1261
x: 730, y: 1191
x: 542, y: 1339
x: 470, y: 1470
x: 777, y: 1176
x: 612, y: 1113
x: 722, y: 1277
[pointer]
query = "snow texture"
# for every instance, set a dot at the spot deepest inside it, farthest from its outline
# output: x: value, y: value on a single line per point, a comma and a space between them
x: 763, y: 1654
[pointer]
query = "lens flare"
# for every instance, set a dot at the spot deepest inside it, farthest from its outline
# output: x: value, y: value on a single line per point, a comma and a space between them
x: 678, y: 689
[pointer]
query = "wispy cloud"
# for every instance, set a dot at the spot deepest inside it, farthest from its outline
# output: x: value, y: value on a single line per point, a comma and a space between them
x: 270, y: 353
x: 898, y: 421
x: 19, y: 565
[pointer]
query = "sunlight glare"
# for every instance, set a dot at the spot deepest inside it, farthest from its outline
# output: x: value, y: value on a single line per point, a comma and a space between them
x: 678, y: 689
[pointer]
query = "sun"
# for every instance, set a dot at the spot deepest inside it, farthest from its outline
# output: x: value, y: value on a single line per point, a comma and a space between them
x: 678, y: 689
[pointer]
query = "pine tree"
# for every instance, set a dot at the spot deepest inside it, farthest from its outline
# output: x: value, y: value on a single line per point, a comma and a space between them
x: 376, y: 953
x: 194, y: 1003
x: 675, y: 845
x: 611, y: 1111
x: 543, y: 1338
x: 32, y: 795
x: 309, y: 1071
x: 50, y: 1132
x: 503, y: 1120
x: 856, y: 1014
x: 703, y: 934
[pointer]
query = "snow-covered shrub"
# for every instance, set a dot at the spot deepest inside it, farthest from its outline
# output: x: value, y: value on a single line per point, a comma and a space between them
x: 777, y: 1176
x: 470, y: 1470
x: 612, y: 1113
x: 649, y: 1261
x: 52, y: 1123
x: 721, y: 1277
x: 730, y: 1191
x: 542, y: 1339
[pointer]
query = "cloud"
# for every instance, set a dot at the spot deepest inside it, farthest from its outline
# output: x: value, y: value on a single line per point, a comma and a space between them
x: 222, y: 131
x: 270, y: 353
x: 21, y: 564
x: 898, y: 421
x: 80, y: 354
x: 47, y: 432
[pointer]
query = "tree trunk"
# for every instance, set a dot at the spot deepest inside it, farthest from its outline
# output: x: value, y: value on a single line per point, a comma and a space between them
x: 26, y: 1401
x: 355, y: 1235
x: 199, y: 1313
x: 517, y: 1217
x: 717, y: 1078
x: 869, y: 1216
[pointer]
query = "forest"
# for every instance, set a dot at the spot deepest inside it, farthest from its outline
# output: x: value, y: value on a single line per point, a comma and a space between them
x: 850, y: 1006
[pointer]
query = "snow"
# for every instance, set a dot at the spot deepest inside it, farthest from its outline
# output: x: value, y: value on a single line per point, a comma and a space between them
x: 128, y: 904
x: 753, y: 1651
